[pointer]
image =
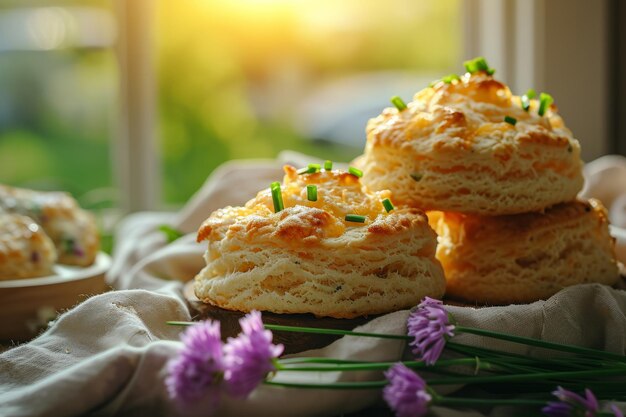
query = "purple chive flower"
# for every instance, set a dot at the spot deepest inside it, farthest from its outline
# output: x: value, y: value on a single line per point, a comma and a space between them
x: 249, y: 357
x: 616, y: 411
x: 571, y: 404
x: 429, y: 325
x: 198, y: 369
x: 406, y: 392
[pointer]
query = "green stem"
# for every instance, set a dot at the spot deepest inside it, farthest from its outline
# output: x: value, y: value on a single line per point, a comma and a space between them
x: 366, y: 366
x: 526, y: 377
x: 575, y: 362
x: 332, y: 385
x: 482, y: 401
x: 286, y: 361
x: 317, y: 330
x: 459, y: 329
x: 541, y: 343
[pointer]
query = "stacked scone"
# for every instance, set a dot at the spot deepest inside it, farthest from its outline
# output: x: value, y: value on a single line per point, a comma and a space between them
x: 38, y: 229
x: 319, y: 243
x: 502, y: 173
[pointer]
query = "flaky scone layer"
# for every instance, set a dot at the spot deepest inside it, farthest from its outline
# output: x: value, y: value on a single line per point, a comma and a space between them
x: 25, y: 249
x: 308, y: 259
x: 451, y: 150
x: 525, y: 257
x: 72, y: 229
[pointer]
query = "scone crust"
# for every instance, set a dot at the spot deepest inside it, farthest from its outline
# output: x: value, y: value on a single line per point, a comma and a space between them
x: 451, y: 150
x: 525, y: 257
x: 308, y: 259
x: 72, y: 229
x: 25, y: 249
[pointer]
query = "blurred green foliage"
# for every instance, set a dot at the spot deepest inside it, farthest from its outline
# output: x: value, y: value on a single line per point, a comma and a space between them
x: 231, y: 75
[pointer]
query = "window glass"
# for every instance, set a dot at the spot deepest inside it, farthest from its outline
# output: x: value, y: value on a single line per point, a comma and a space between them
x: 249, y: 78
x: 58, y: 77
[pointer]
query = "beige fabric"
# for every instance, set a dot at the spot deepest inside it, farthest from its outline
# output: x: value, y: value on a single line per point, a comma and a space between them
x: 106, y: 356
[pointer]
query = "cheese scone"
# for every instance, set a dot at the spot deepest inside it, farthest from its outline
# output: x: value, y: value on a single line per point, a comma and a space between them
x: 72, y: 229
x: 25, y: 249
x: 525, y: 257
x: 451, y: 149
x: 307, y: 258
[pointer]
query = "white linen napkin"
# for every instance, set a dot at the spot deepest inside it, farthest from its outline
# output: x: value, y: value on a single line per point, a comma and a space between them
x: 107, y: 355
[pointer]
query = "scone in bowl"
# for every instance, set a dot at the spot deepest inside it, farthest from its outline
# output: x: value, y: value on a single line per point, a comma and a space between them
x: 28, y: 304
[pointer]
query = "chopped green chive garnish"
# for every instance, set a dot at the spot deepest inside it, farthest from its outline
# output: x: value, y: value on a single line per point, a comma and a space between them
x: 355, y: 171
x: 544, y: 102
x: 510, y: 120
x: 277, y: 197
x: 310, y: 169
x: 416, y: 176
x: 398, y: 102
x: 530, y: 94
x: 478, y: 64
x: 387, y: 204
x: 525, y: 102
x: 449, y: 78
x: 433, y: 83
x: 328, y: 165
x: 311, y: 192
x: 68, y: 244
x: 355, y: 218
x: 170, y: 233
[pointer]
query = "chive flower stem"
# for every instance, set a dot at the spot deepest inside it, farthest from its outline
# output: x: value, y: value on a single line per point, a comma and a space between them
x: 540, y: 376
x: 364, y: 366
x: 459, y: 329
x: 279, y: 327
x: 541, y: 343
x: 332, y: 385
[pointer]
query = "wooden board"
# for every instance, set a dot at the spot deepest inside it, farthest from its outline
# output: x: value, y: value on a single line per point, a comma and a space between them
x: 293, y: 342
x: 26, y: 305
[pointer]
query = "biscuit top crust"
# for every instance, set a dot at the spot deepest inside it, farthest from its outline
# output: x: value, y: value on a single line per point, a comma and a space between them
x: 468, y: 115
x: 302, y: 221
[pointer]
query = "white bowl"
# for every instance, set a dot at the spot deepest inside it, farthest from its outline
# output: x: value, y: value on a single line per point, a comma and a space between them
x: 26, y: 305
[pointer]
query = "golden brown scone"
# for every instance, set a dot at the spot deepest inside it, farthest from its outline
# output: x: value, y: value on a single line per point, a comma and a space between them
x: 526, y: 257
x: 72, y: 229
x: 308, y: 259
x: 451, y: 150
x: 25, y: 249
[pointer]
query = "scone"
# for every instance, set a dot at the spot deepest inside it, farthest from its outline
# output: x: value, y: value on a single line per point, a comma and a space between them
x: 307, y: 258
x: 451, y: 149
x: 72, y: 229
x: 525, y: 257
x: 25, y: 249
